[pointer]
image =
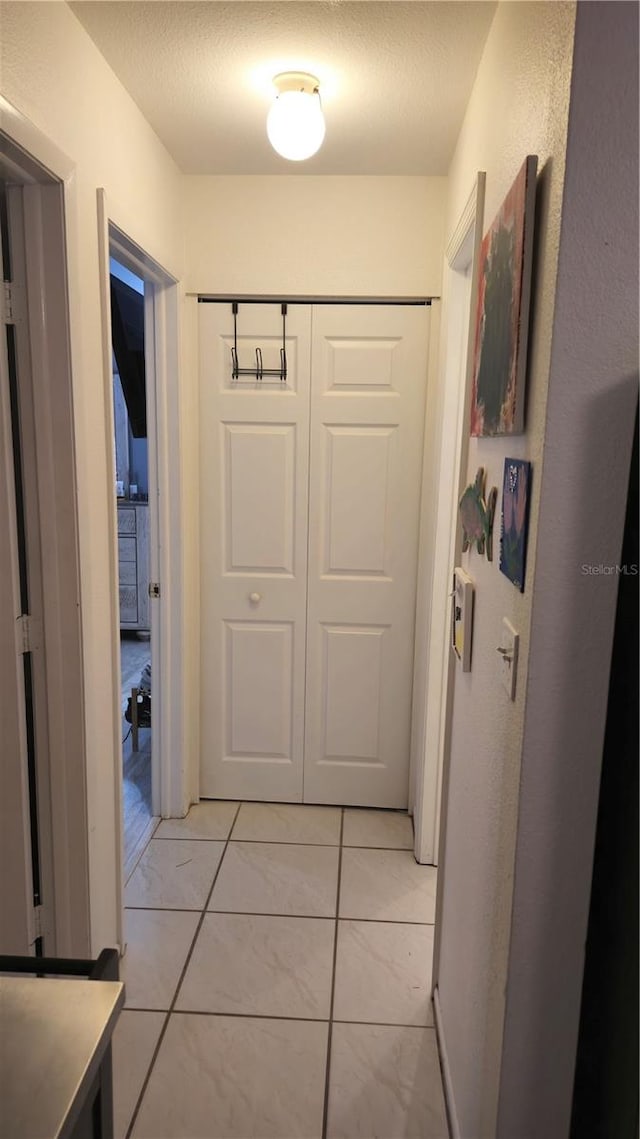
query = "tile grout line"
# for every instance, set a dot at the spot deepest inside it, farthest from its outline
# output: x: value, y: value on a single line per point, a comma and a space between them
x: 249, y: 841
x: 325, y: 1111
x: 268, y: 914
x: 390, y: 812
x: 163, y: 1030
x: 290, y: 1019
x: 283, y: 842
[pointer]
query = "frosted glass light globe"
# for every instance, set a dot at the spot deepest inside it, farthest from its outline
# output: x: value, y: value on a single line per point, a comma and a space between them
x: 295, y: 124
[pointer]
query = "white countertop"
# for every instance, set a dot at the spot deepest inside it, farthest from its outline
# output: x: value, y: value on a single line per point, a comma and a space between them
x: 53, y: 1035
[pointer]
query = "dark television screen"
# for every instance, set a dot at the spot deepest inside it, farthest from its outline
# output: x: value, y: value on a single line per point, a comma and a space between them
x: 127, y: 333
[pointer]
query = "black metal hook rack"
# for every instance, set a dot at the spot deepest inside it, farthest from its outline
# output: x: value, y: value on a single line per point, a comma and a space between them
x: 259, y: 372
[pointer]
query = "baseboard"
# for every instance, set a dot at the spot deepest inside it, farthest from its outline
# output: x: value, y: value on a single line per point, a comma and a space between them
x: 136, y: 854
x: 454, y: 1127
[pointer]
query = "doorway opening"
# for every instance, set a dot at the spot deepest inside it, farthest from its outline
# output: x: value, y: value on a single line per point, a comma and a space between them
x: 132, y: 508
x: 162, y: 587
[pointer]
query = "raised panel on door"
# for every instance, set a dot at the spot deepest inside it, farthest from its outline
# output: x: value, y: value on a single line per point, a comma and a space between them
x: 259, y: 497
x: 259, y: 704
x: 254, y: 452
x: 353, y: 672
x: 367, y: 413
x: 356, y: 524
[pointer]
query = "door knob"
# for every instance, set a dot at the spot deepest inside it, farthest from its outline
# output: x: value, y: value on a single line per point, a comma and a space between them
x: 254, y: 598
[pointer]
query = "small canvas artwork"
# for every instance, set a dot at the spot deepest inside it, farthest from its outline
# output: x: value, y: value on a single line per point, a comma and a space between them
x: 516, y: 491
x: 502, y: 315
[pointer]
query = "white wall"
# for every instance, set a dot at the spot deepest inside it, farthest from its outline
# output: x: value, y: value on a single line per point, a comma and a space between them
x: 54, y: 75
x: 593, y: 392
x: 519, y: 106
x: 315, y: 236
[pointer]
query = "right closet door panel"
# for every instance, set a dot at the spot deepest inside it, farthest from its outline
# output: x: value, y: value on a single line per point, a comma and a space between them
x: 369, y: 367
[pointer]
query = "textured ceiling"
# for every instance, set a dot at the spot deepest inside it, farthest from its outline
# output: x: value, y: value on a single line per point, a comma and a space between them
x: 394, y: 77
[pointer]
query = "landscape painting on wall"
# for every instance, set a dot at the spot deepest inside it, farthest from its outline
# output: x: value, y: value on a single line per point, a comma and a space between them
x: 516, y: 491
x: 502, y: 316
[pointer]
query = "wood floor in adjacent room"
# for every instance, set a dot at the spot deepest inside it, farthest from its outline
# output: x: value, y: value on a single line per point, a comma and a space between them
x: 139, y: 822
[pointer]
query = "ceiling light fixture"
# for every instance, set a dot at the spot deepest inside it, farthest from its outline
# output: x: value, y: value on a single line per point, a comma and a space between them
x: 295, y: 123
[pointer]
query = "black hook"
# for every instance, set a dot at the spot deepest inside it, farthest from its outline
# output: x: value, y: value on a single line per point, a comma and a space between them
x: 260, y: 370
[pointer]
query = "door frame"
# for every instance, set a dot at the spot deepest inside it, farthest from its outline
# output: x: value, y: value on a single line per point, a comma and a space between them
x: 423, y: 301
x: 46, y: 175
x: 86, y: 872
x: 170, y: 786
x: 440, y: 538
x: 16, y: 874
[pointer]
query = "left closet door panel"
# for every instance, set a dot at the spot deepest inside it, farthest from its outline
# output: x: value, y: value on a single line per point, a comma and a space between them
x: 254, y: 475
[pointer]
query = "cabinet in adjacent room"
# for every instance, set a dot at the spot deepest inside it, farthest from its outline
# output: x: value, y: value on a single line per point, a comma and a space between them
x: 133, y: 564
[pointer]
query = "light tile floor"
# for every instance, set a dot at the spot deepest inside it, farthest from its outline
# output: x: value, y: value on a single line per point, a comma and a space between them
x: 277, y: 975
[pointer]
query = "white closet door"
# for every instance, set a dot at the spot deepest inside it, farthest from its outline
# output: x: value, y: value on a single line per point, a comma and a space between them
x: 369, y: 367
x: 254, y: 445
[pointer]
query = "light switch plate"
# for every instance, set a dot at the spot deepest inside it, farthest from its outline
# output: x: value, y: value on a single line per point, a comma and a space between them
x: 508, y: 650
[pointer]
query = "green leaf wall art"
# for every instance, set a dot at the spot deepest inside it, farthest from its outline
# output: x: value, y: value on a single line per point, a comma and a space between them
x: 476, y: 516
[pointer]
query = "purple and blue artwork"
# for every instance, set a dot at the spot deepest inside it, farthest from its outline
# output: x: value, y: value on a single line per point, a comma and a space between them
x: 515, y: 520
